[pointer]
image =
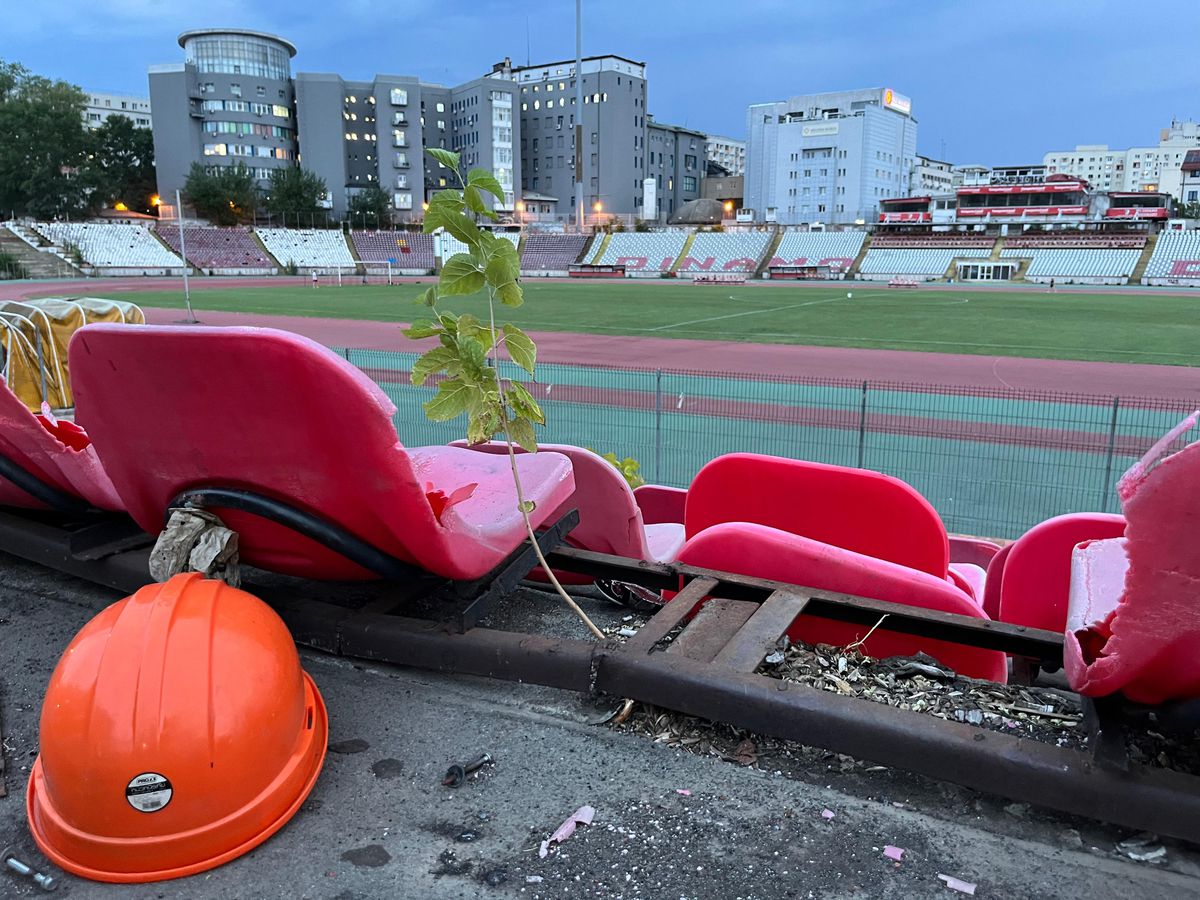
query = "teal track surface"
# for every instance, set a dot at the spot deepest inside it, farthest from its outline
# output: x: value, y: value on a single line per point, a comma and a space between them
x: 993, y: 463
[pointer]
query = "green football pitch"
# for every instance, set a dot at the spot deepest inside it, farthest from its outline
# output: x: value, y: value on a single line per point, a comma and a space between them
x: 1145, y: 327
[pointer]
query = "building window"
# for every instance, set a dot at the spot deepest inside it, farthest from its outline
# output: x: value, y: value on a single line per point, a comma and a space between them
x: 441, y: 107
x: 399, y: 97
x: 689, y: 183
x: 235, y: 90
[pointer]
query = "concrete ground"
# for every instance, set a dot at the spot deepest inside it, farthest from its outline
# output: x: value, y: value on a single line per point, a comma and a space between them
x: 380, y: 824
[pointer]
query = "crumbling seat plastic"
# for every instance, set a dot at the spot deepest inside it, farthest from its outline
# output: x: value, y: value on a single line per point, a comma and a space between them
x: 172, y: 409
x: 56, y: 452
x: 178, y: 732
x: 764, y: 552
x: 610, y: 520
x: 1133, y: 621
x: 855, y: 509
x: 1036, y: 577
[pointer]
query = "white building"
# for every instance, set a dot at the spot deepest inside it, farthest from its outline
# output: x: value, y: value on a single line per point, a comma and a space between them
x: 728, y: 153
x: 830, y: 158
x: 101, y: 106
x: 1136, y: 169
x: 931, y: 176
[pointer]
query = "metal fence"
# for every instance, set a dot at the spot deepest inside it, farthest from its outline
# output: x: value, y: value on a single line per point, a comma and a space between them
x: 992, y: 462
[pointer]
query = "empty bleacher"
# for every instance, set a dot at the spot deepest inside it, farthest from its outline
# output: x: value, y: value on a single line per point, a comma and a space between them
x: 219, y: 248
x: 315, y: 249
x: 1085, y: 266
x: 940, y: 240
x: 640, y: 251
x: 1078, y: 239
x: 818, y: 248
x: 715, y: 251
x: 409, y: 249
x: 925, y: 263
x: 1176, y: 257
x: 551, y: 252
x: 109, y: 245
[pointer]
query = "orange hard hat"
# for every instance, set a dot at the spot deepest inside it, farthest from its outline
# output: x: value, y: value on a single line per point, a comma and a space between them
x: 178, y: 732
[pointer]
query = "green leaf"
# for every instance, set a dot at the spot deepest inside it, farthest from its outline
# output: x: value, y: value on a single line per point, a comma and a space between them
x: 471, y: 354
x: 434, y: 361
x: 447, y: 158
x: 469, y: 325
x: 422, y: 329
x: 521, y: 348
x: 510, y: 294
x: 474, y: 199
x: 503, y: 265
x: 461, y: 276
x: 455, y: 224
x: 528, y: 506
x: 428, y: 297
x: 449, y: 322
x: 449, y: 402
x: 521, y: 432
x: 485, y: 181
x: 523, y: 404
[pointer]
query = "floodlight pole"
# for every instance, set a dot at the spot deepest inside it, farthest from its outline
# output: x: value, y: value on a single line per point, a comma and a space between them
x: 187, y: 294
x: 579, y: 116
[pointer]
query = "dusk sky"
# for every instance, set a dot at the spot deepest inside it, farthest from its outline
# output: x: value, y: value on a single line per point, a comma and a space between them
x: 991, y: 82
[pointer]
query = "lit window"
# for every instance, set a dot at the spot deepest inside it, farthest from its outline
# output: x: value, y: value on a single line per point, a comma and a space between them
x: 441, y: 107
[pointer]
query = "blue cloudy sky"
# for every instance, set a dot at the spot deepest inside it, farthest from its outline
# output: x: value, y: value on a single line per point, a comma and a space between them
x: 992, y: 82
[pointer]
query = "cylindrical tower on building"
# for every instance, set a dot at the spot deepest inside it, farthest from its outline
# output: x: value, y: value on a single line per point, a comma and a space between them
x: 244, y: 82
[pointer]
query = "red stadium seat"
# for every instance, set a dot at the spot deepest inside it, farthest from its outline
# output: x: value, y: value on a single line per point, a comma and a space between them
x: 173, y: 409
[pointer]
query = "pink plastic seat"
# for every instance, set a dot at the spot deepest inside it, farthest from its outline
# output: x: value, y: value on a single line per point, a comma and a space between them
x: 177, y: 408
x: 855, y: 509
x: 56, y: 452
x: 765, y: 552
x: 995, y: 577
x: 1037, y: 571
x: 610, y: 520
x: 1133, y: 622
x: 660, y: 504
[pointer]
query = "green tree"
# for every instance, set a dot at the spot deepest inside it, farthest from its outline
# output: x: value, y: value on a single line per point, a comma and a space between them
x: 120, y: 167
x: 225, y: 197
x: 293, y: 191
x: 1187, y: 210
x: 371, y: 207
x: 42, y: 144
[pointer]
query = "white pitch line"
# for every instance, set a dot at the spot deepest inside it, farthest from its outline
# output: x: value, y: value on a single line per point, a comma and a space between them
x: 749, y: 312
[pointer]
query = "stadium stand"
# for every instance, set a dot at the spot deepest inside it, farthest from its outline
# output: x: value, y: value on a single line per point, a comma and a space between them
x: 307, y: 249
x: 452, y: 245
x: 645, y: 251
x: 410, y: 249
x: 1176, y: 257
x: 713, y: 251
x: 818, y: 248
x: 1081, y: 239
x: 219, y: 248
x: 111, y: 246
x: 551, y: 252
x: 1070, y: 265
x: 939, y: 240
x: 928, y: 263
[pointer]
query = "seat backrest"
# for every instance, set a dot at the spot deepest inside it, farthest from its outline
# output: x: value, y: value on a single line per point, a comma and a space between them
x: 172, y: 408
x: 609, y: 518
x: 1036, y: 578
x: 855, y: 509
x: 21, y: 437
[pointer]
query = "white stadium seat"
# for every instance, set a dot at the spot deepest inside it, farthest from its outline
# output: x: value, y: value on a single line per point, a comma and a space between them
x: 108, y: 245
x: 929, y: 262
x: 714, y: 251
x: 1176, y: 255
x: 318, y: 249
x: 1076, y: 262
x: 649, y: 251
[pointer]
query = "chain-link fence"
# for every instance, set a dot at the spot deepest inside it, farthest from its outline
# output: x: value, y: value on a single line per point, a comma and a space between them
x: 993, y: 462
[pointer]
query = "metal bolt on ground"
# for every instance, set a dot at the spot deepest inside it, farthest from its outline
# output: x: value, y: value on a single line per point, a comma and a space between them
x: 44, y: 881
x: 456, y: 775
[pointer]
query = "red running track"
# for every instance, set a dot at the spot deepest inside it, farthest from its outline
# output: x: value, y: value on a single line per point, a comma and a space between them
x: 1180, y: 383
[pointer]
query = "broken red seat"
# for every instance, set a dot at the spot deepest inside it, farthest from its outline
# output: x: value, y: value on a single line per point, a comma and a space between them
x: 764, y: 552
x: 173, y: 409
x: 56, y: 452
x: 610, y: 519
x: 1133, y: 623
x: 1036, y: 577
x: 855, y: 509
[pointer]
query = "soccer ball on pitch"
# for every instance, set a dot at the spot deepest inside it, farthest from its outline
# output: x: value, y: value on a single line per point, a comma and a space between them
x: 849, y: 295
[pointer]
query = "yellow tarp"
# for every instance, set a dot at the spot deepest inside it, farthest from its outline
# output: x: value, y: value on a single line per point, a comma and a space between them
x: 47, y: 325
